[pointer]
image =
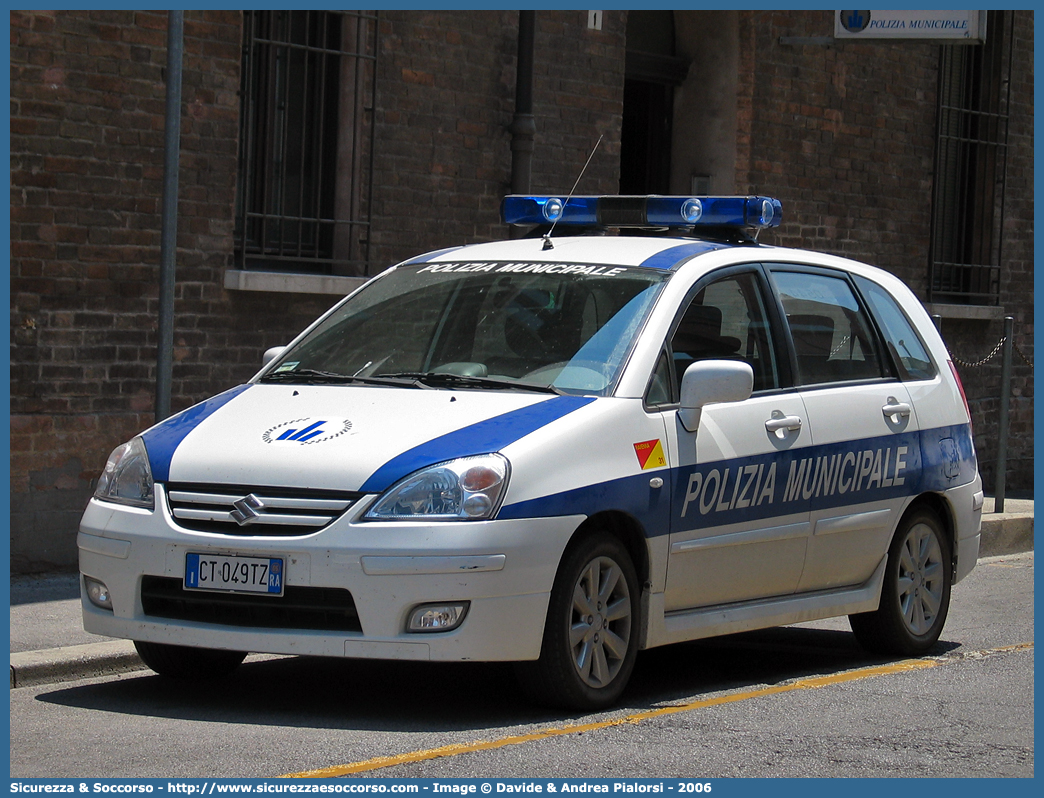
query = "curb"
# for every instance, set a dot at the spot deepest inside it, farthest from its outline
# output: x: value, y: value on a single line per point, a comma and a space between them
x: 1006, y: 533
x: 54, y: 665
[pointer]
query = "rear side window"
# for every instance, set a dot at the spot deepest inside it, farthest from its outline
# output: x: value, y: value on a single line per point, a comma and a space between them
x: 902, y: 340
x: 832, y: 336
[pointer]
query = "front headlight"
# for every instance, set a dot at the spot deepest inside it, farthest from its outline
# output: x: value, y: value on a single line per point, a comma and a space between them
x: 127, y: 478
x: 468, y: 489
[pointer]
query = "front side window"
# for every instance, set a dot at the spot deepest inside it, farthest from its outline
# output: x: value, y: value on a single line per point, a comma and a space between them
x: 564, y: 327
x: 659, y: 392
x: 726, y: 320
x: 832, y: 336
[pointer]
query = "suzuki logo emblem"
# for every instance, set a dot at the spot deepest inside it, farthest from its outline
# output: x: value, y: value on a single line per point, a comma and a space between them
x: 246, y: 511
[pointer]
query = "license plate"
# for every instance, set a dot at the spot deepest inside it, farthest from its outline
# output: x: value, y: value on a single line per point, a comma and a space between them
x: 234, y: 574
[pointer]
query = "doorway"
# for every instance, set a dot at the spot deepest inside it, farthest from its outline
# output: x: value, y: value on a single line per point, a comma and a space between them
x: 652, y: 72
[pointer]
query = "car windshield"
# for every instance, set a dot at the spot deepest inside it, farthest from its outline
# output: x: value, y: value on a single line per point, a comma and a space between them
x: 561, y: 327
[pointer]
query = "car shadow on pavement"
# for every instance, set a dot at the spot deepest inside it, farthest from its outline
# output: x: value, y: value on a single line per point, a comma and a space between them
x: 687, y: 672
x: 321, y: 693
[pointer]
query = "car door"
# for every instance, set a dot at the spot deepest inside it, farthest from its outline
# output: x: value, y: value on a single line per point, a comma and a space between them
x: 734, y: 535
x: 865, y: 458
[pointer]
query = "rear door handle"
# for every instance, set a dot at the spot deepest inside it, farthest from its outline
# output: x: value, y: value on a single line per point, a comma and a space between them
x: 894, y: 408
x: 780, y: 424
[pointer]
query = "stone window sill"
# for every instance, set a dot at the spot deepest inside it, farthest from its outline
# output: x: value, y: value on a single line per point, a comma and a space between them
x: 282, y: 283
x: 974, y: 312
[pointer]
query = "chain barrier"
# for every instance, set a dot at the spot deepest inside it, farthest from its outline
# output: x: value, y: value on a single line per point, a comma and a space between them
x: 1022, y: 354
x: 1003, y: 419
x: 984, y: 361
x: 996, y: 350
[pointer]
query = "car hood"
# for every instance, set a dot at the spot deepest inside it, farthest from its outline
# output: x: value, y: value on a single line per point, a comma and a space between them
x: 349, y: 438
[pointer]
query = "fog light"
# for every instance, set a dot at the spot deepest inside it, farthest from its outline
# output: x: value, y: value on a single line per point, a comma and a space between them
x: 437, y: 617
x: 98, y: 593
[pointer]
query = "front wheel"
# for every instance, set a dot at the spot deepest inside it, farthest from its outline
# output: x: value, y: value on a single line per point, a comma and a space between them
x: 916, y: 593
x: 591, y: 633
x: 184, y: 662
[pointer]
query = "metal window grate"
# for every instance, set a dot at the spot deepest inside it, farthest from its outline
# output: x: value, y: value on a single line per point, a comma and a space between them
x: 970, y: 167
x: 306, y: 145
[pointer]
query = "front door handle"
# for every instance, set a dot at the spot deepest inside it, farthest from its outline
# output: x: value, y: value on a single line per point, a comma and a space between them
x: 780, y: 424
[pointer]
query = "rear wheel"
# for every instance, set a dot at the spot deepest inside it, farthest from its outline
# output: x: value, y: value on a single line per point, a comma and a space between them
x: 916, y: 593
x: 184, y: 662
x: 591, y: 633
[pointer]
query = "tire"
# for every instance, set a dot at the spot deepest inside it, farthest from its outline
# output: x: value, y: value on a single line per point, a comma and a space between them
x: 591, y: 632
x: 916, y: 593
x: 184, y: 662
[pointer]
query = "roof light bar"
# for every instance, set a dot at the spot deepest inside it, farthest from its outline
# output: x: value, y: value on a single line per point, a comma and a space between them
x: 642, y: 211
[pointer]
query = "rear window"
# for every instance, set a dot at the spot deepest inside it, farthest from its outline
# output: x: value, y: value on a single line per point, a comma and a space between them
x: 902, y: 340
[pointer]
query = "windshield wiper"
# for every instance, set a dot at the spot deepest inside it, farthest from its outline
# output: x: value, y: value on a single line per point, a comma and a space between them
x: 438, y: 379
x: 318, y: 377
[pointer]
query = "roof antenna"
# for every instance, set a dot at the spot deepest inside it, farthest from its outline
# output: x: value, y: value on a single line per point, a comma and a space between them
x: 547, y: 237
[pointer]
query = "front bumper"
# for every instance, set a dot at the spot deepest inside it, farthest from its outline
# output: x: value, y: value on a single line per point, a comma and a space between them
x: 504, y: 569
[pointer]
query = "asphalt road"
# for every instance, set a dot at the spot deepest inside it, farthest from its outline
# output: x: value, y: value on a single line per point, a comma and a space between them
x: 794, y: 701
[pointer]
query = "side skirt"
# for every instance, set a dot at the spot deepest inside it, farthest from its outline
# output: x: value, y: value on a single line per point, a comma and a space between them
x: 722, y: 619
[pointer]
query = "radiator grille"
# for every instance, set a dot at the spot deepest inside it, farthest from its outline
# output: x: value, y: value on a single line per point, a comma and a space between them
x: 252, y: 511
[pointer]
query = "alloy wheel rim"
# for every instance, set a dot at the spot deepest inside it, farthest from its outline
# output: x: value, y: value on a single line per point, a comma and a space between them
x: 920, y: 583
x: 600, y: 622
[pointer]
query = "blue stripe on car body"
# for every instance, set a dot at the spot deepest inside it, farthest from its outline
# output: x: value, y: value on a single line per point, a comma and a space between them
x: 631, y: 495
x: 163, y: 439
x: 429, y: 256
x: 484, y: 437
x: 775, y: 484
x: 669, y: 258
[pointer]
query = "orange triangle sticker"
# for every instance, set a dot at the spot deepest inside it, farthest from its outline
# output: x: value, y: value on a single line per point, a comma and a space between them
x: 650, y: 454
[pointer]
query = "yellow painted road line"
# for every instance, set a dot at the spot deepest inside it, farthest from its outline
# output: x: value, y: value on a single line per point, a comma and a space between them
x: 810, y: 683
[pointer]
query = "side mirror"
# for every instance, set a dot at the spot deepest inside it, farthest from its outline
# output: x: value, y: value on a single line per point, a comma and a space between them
x: 271, y: 355
x: 711, y: 381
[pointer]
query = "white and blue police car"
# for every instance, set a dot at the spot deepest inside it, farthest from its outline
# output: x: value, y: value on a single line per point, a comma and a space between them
x: 557, y: 451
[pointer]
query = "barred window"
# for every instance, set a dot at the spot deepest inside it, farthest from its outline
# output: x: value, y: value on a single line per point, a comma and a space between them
x: 306, y: 149
x: 970, y: 167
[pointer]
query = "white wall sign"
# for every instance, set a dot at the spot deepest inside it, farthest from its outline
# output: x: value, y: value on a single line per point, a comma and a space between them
x: 939, y: 26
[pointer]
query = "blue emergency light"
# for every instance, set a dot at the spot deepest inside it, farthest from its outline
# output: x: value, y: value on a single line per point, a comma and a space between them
x: 642, y: 211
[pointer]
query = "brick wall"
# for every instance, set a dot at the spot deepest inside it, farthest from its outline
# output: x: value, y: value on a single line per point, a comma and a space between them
x: 87, y: 106
x: 445, y: 96
x: 445, y: 104
x: 972, y: 341
x: 845, y: 135
x: 578, y: 95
